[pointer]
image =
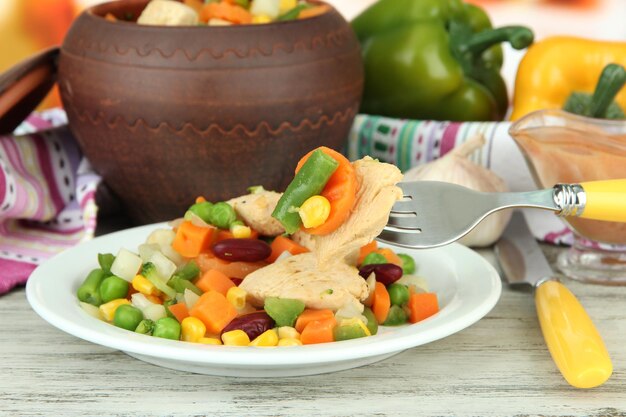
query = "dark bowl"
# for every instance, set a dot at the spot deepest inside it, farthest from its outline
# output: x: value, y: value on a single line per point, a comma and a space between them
x: 166, y: 114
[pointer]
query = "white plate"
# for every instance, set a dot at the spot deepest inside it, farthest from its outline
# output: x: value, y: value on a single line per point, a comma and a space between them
x: 467, y: 287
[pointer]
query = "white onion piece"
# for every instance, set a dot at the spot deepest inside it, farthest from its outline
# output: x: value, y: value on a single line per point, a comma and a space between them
x: 191, y: 298
x: 164, y: 238
x: 164, y: 266
x: 126, y: 265
x: 155, y: 312
x: 270, y: 8
x: 415, y: 280
x: 140, y: 301
x: 146, y: 250
x: 91, y: 310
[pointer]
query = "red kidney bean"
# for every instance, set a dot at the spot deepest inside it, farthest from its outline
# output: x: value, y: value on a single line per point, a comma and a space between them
x: 385, y: 273
x: 252, y: 323
x: 246, y: 250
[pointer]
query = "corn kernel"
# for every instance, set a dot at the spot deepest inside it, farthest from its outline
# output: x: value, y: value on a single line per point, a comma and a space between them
x: 358, y: 321
x: 236, y: 338
x: 261, y: 18
x: 107, y: 310
x: 286, y: 5
x: 265, y: 339
x: 209, y: 341
x: 142, y: 285
x: 314, y: 211
x: 240, y: 231
x: 192, y: 329
x: 237, y: 297
x: 287, y: 332
x: 289, y: 342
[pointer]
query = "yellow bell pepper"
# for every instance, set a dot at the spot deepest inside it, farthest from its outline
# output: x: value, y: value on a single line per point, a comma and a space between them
x: 554, y: 68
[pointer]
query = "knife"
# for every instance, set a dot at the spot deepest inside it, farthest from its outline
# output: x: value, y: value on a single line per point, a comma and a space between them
x: 574, y: 343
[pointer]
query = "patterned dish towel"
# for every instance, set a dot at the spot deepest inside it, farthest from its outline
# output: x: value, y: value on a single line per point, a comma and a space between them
x: 47, y: 196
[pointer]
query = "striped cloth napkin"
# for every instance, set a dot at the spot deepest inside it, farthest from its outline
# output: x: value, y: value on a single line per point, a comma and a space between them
x: 47, y: 196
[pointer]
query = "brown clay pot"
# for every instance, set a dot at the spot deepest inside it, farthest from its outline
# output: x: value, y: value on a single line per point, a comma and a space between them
x: 166, y: 114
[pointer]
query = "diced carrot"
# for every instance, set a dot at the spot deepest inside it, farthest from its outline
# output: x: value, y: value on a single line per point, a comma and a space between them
x: 391, y: 257
x: 223, y: 10
x: 214, y: 280
x: 310, y: 315
x: 197, y: 6
x: 131, y: 291
x: 366, y: 250
x: 319, y: 331
x: 200, y: 199
x: 214, y: 310
x: 340, y: 191
x: 281, y: 244
x: 191, y: 240
x: 381, y: 303
x: 110, y: 17
x: 179, y: 310
x: 313, y: 11
x: 237, y: 269
x: 422, y: 306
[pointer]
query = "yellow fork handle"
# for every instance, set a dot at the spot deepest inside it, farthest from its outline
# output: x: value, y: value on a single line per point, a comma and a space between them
x: 573, y: 341
x: 606, y: 200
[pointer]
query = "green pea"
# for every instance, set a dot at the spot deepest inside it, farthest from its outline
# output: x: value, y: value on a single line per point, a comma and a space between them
x: 202, y: 210
x: 167, y: 328
x: 408, y: 263
x: 372, y: 324
x: 374, y: 258
x: 145, y: 326
x: 396, y: 316
x: 113, y: 288
x: 398, y: 294
x: 127, y: 317
x: 222, y: 215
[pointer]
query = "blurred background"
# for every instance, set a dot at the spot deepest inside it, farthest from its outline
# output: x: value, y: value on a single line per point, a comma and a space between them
x: 27, y: 26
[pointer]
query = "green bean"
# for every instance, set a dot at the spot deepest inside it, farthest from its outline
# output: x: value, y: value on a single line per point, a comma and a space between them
x: 293, y: 13
x: 167, y: 328
x: 374, y: 259
x: 398, y: 294
x: 113, y: 287
x: 106, y: 260
x: 189, y: 271
x: 309, y: 181
x: 167, y: 304
x: 222, y: 215
x: 408, y: 263
x: 89, y: 291
x: 372, y: 324
x: 127, y: 317
x: 180, y: 285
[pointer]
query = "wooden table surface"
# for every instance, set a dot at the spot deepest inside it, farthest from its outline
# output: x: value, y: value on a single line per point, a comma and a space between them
x: 498, y: 367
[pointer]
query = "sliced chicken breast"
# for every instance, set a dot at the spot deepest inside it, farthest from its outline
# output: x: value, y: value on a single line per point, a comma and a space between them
x: 256, y: 211
x: 300, y: 278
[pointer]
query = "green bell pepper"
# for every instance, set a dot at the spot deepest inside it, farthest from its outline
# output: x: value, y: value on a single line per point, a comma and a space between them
x: 434, y: 59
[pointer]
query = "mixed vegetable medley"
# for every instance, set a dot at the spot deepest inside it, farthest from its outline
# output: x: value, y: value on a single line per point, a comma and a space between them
x: 225, y: 12
x: 210, y: 278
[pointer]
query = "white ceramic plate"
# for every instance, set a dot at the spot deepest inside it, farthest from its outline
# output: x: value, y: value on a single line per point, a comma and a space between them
x: 467, y: 286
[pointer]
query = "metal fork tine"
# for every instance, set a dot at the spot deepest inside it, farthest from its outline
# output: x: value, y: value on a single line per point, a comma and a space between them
x: 408, y: 239
x: 403, y: 222
x: 404, y: 206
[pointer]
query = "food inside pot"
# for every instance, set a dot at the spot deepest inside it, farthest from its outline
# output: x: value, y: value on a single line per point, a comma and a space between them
x: 220, y: 12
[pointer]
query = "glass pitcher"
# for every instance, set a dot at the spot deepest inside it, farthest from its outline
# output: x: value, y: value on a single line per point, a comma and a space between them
x: 561, y: 147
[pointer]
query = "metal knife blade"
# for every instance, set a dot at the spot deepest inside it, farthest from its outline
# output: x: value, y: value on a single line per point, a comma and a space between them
x: 520, y: 256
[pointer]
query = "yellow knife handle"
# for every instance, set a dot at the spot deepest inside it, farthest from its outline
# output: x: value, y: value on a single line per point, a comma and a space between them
x: 573, y: 341
x: 606, y: 200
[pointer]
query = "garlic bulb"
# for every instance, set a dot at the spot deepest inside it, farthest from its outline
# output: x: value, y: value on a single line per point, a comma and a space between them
x: 456, y: 167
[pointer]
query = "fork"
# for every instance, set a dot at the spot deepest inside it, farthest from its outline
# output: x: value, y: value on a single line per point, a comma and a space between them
x: 433, y: 213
